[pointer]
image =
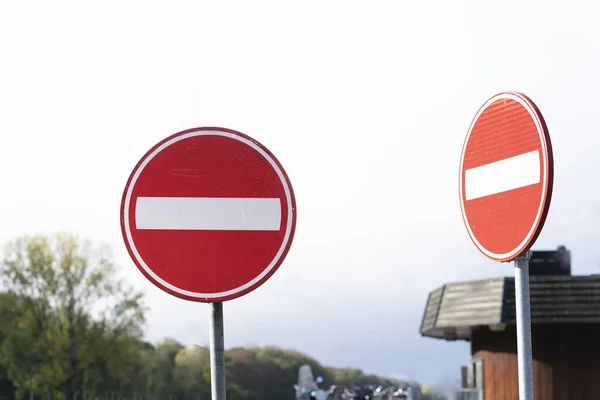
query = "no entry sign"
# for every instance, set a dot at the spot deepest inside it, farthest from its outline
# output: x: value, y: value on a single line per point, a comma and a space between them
x: 505, y: 178
x: 208, y: 214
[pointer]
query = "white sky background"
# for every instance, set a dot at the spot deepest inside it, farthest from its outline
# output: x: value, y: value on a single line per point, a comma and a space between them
x: 366, y: 105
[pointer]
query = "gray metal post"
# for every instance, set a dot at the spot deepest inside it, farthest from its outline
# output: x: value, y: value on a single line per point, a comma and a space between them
x: 523, y: 308
x: 217, y: 352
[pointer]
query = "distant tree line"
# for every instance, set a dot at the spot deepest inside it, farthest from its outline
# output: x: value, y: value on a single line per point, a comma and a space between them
x: 70, y: 329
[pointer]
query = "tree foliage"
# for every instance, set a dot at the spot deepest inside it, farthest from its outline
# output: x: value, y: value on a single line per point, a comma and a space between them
x: 70, y: 329
x: 71, y: 315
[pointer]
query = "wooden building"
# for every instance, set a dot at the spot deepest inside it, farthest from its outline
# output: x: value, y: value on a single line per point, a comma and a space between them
x: 565, y: 317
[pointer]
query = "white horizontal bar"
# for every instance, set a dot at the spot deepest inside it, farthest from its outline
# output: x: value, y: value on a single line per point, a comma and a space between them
x: 208, y: 213
x: 502, y: 176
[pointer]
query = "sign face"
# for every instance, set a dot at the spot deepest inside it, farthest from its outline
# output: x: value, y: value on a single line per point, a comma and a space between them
x: 208, y: 214
x: 506, y: 175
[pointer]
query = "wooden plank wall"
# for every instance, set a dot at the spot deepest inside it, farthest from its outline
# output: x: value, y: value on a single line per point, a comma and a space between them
x: 566, y: 362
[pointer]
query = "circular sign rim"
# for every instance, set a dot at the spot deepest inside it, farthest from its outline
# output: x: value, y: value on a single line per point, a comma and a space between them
x: 547, y: 183
x: 266, y: 272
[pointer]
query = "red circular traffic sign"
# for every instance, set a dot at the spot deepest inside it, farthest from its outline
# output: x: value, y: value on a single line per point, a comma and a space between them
x: 208, y: 214
x: 506, y: 176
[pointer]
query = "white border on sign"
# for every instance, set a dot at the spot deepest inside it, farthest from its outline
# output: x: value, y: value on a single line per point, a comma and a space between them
x: 288, y: 228
x: 540, y: 129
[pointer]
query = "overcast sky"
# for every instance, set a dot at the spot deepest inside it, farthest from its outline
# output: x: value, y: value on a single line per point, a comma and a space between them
x: 366, y: 105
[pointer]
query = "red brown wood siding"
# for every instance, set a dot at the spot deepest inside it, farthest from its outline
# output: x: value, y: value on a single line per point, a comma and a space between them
x: 566, y: 362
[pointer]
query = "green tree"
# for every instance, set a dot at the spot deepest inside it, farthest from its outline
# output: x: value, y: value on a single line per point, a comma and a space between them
x: 75, y: 314
x: 352, y: 376
x: 191, y: 368
x: 162, y: 384
x: 10, y: 308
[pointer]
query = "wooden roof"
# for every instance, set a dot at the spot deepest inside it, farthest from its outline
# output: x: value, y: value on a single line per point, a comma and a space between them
x: 454, y: 309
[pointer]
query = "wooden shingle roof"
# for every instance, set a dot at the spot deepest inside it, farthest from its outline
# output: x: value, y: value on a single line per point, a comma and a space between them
x: 455, y: 309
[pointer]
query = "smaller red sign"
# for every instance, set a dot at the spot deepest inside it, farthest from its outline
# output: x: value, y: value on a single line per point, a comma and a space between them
x: 506, y: 176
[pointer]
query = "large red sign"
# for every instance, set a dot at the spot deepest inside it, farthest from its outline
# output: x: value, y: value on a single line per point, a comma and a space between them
x: 506, y: 174
x: 208, y: 214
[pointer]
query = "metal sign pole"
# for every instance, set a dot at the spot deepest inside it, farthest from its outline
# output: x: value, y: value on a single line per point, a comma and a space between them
x: 524, y: 354
x: 217, y: 352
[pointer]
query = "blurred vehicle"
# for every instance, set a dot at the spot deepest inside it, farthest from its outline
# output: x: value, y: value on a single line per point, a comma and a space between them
x: 335, y: 393
x: 401, y: 394
x: 358, y: 393
x: 307, y: 388
x: 381, y: 394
